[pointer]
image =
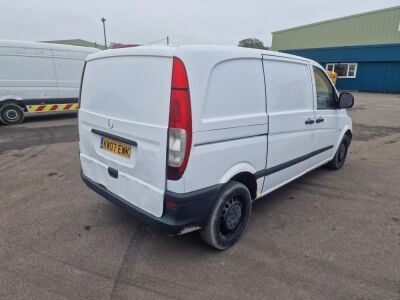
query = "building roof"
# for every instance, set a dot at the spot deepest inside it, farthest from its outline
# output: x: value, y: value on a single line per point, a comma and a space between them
x: 339, y: 19
x: 371, y: 28
x: 77, y: 42
x: 120, y: 45
x: 39, y: 45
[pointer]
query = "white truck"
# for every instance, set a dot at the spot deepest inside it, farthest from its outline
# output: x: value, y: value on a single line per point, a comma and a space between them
x: 186, y: 138
x: 39, y: 77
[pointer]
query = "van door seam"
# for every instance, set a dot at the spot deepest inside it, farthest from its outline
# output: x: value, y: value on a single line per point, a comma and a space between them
x: 266, y: 111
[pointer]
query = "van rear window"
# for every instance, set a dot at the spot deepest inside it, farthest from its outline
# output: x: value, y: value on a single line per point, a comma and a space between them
x: 134, y: 88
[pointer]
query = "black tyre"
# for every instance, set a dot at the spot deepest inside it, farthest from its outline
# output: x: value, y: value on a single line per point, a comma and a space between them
x: 11, y: 114
x: 229, y: 216
x: 340, y: 157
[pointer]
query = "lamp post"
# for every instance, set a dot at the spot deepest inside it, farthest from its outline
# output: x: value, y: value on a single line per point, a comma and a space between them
x: 103, y: 20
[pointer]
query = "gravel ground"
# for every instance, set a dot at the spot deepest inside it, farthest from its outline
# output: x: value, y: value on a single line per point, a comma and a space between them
x: 331, y: 235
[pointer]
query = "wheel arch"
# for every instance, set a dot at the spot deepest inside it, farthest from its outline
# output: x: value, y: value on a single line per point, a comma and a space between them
x: 347, y: 130
x: 349, y: 133
x: 243, y: 173
x: 14, y: 101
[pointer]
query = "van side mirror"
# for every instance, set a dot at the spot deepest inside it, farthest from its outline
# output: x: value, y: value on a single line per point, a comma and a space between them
x: 346, y: 100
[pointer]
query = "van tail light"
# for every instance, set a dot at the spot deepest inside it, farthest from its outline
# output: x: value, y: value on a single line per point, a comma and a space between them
x: 80, y: 87
x: 180, y: 122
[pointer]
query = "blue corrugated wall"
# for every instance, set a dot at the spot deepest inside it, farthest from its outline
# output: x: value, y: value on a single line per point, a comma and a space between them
x: 378, y: 65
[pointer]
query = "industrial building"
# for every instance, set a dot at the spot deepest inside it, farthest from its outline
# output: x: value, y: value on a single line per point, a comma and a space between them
x: 83, y: 43
x: 77, y: 42
x: 363, y: 49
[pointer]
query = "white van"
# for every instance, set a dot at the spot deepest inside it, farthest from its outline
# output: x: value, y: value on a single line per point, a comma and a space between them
x: 39, y: 77
x: 186, y: 138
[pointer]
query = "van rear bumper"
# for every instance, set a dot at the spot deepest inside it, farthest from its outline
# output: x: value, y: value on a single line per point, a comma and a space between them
x: 191, y: 212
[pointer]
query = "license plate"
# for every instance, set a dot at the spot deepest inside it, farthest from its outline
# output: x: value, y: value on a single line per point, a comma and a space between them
x: 115, y: 147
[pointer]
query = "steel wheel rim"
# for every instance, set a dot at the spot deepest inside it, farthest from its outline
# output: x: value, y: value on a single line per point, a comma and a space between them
x: 11, y: 114
x: 231, y: 216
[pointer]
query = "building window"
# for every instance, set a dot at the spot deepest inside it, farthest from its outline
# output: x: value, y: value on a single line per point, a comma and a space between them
x: 343, y: 70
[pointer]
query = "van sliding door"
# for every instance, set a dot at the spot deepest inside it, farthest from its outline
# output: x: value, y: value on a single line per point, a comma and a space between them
x: 291, y: 120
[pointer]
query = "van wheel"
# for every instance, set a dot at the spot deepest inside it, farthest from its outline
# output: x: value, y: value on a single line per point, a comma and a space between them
x: 11, y: 114
x: 229, y: 217
x: 340, y: 157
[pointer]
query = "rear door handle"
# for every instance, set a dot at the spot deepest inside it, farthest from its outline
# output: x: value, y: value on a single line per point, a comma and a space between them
x: 309, y: 121
x: 113, y: 172
x: 320, y: 120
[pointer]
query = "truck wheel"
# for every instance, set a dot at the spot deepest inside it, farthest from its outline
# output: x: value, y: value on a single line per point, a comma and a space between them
x: 340, y: 157
x: 229, y: 217
x: 11, y: 114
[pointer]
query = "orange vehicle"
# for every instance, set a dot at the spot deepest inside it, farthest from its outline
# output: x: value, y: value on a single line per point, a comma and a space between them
x: 333, y: 76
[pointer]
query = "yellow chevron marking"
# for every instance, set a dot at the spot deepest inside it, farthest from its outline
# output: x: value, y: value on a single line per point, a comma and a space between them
x: 47, y: 108
x: 60, y: 107
x: 32, y: 108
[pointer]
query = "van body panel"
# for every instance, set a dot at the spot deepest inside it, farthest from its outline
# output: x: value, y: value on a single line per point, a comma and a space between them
x: 219, y: 77
x: 201, y: 171
x: 27, y: 73
x: 68, y: 67
x: 228, y: 134
x: 221, y: 83
x: 117, y: 99
x: 35, y: 74
x: 234, y: 81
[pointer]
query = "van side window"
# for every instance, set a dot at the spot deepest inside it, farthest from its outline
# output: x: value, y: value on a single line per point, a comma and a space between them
x: 325, y: 92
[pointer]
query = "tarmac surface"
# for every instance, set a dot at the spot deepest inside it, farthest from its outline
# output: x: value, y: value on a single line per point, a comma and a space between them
x: 330, y: 234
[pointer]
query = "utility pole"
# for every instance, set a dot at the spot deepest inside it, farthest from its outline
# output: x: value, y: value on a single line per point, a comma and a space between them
x: 167, y: 40
x: 104, y: 30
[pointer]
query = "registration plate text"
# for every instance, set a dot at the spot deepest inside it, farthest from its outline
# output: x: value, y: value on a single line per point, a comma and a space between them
x: 116, y: 147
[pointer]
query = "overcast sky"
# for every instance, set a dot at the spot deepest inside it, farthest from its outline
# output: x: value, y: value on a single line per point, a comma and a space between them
x: 185, y: 21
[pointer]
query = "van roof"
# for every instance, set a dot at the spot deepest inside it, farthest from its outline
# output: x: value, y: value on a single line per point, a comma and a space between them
x: 170, y: 51
x: 38, y: 45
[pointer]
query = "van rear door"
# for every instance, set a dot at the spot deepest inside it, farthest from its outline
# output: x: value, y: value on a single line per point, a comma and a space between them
x: 123, y: 124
